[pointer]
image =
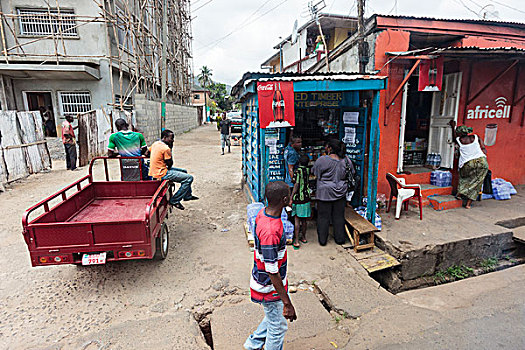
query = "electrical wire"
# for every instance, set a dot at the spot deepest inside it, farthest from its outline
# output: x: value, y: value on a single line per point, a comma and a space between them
x: 201, y: 6
x: 218, y: 41
x: 507, y: 6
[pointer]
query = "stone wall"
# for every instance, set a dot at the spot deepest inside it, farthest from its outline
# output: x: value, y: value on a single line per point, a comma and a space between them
x: 179, y: 118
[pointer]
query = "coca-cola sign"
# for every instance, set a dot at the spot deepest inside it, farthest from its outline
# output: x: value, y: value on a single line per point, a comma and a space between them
x: 265, y: 87
x: 276, y: 104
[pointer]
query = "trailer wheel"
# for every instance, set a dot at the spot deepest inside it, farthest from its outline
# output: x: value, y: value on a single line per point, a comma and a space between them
x: 162, y: 242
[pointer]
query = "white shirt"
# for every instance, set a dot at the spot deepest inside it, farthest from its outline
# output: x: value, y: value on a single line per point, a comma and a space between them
x: 469, y: 151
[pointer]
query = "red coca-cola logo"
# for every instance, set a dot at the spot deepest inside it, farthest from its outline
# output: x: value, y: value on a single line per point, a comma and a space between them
x: 267, y: 87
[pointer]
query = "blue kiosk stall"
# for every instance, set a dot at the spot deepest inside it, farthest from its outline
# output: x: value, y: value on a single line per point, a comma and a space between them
x: 327, y: 105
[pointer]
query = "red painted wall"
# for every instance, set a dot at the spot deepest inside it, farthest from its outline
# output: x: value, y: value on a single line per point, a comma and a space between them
x: 507, y: 156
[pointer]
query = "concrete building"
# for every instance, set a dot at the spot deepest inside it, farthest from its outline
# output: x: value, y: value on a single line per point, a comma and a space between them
x: 300, y: 55
x: 199, y: 98
x: 76, y: 56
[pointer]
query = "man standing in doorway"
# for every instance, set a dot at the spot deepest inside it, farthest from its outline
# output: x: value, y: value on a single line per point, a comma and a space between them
x: 225, y: 126
x: 161, y: 168
x: 291, y: 158
x: 70, y: 145
x: 128, y: 144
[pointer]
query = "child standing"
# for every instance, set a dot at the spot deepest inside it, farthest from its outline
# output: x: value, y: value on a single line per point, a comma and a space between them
x: 301, y: 207
x: 268, y: 283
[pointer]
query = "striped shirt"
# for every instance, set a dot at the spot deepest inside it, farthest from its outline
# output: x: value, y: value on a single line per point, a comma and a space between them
x: 269, y: 257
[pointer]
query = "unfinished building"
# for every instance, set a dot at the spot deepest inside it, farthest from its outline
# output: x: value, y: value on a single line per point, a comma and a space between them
x: 72, y: 56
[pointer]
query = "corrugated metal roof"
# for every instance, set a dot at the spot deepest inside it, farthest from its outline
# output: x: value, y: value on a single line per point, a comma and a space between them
x: 476, y: 21
x: 340, y: 76
x: 293, y: 76
x: 465, y: 49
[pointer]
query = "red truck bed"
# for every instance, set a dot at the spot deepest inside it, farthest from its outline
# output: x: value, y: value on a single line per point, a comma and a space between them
x: 122, y: 219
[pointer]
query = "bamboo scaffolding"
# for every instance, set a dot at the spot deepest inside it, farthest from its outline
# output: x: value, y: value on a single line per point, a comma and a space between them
x: 133, y: 45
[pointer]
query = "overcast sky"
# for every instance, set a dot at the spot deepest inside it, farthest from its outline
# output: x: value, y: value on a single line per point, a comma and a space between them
x: 232, y: 37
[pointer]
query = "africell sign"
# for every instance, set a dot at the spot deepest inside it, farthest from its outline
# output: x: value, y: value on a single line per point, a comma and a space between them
x: 501, y: 111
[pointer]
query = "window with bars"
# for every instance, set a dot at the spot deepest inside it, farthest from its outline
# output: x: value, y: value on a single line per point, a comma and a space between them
x: 42, y: 22
x: 124, y: 33
x: 72, y: 103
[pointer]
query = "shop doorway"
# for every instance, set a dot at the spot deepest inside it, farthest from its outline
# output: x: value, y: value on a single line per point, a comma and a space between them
x: 41, y: 101
x: 445, y: 104
x: 424, y: 125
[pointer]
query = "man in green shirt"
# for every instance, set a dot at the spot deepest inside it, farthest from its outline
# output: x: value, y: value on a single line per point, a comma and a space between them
x: 127, y: 143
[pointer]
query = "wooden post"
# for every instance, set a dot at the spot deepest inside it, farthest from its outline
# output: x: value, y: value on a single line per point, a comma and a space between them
x: 361, y: 35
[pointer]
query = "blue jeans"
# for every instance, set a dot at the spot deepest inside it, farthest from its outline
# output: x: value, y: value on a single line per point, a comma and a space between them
x: 272, y: 329
x: 181, y: 176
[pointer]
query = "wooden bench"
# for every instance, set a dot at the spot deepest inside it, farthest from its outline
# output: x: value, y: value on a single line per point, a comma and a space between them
x: 359, y: 228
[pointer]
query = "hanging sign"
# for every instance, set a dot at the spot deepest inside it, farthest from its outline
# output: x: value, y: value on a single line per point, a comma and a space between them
x: 276, y: 104
x: 431, y: 75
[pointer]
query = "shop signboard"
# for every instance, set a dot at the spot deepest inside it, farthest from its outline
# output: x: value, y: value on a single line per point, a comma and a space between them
x: 431, y: 75
x: 274, y: 141
x: 276, y: 104
x: 320, y: 99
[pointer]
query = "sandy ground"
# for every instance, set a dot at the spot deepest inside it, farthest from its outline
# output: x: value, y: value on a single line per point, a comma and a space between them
x: 153, y: 305
x: 208, y: 265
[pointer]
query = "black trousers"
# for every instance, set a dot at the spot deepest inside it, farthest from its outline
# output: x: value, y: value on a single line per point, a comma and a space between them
x: 331, y: 211
x: 71, y: 156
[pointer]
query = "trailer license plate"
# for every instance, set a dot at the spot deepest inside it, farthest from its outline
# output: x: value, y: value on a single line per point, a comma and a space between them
x: 94, y: 259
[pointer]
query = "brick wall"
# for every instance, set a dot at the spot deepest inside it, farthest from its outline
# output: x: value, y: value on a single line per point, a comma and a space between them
x: 179, y: 118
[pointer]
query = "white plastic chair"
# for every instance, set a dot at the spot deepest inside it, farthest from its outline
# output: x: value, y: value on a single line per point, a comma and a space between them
x: 403, y: 192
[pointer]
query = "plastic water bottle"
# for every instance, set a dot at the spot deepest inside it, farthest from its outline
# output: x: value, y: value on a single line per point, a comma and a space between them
x: 438, y: 160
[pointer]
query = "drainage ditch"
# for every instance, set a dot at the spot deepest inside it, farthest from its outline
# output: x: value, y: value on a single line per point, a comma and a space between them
x: 452, y: 261
x: 204, y: 322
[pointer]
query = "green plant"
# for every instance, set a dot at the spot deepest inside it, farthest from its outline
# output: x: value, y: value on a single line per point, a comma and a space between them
x: 455, y: 272
x: 440, y: 277
x: 459, y: 272
x: 338, y: 319
x: 489, y: 264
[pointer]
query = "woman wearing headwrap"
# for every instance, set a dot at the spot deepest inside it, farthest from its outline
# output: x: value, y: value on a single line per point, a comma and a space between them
x: 473, y: 166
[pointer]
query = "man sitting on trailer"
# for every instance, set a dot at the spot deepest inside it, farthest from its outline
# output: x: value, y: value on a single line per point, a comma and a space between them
x: 127, y: 143
x: 161, y: 168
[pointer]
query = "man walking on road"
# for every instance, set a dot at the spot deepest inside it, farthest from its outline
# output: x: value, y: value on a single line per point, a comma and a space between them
x: 161, y: 168
x: 268, y: 283
x: 128, y: 144
x: 70, y: 145
x: 225, y: 126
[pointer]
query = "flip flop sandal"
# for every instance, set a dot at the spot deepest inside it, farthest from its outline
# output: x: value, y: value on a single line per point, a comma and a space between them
x: 178, y: 206
x: 303, y: 240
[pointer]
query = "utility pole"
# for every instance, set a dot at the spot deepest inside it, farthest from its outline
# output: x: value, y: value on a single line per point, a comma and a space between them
x: 164, y: 59
x: 324, y: 42
x: 361, y: 35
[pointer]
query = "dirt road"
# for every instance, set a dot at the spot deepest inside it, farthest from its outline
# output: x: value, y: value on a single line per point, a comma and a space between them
x: 146, y: 302
x: 159, y: 305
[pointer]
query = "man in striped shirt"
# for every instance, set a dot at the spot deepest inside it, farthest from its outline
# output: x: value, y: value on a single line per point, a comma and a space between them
x: 268, y: 283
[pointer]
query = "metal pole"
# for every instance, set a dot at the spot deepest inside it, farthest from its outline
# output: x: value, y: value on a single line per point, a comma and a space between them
x: 281, y: 58
x: 361, y: 35
x: 164, y: 60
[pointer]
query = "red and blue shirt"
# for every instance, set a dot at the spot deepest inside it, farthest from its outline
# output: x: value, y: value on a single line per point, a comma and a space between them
x: 269, y: 257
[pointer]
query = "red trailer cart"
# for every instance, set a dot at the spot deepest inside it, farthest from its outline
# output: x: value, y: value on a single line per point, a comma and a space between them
x: 99, y: 221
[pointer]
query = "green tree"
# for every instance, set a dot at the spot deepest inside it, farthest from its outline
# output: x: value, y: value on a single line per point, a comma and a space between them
x: 204, y: 79
x: 220, y: 95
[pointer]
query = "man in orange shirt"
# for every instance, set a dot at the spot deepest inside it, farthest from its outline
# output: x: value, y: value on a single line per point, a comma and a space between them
x: 161, y: 168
